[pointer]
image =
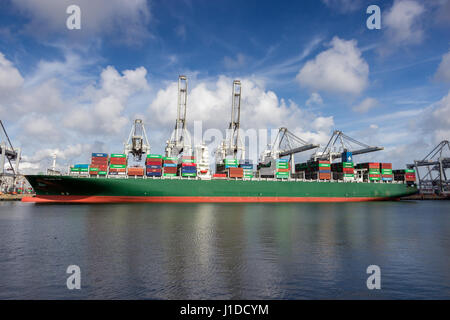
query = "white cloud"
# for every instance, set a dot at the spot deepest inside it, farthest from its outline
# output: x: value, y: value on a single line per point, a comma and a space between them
x: 365, y: 105
x: 436, y: 119
x: 339, y: 69
x: 402, y: 22
x: 10, y: 77
x: 105, y: 113
x: 443, y: 71
x: 314, y: 99
x: 126, y: 20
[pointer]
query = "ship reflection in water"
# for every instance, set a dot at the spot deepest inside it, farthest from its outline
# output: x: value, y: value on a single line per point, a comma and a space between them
x: 226, y: 251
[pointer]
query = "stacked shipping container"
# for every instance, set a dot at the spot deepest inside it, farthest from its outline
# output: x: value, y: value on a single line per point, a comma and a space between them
x: 170, y: 166
x: 247, y: 167
x: 153, y: 165
x: 118, y: 164
x: 81, y: 168
x: 343, y: 171
x: 136, y: 171
x: 372, y: 170
x: 386, y: 171
x: 405, y: 175
x: 317, y: 170
x: 188, y: 166
x: 282, y: 170
x: 99, y: 164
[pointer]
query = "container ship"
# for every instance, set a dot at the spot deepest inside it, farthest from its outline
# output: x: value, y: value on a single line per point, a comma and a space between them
x: 183, y: 173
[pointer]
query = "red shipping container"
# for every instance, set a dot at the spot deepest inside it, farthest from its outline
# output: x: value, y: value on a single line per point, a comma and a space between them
x: 219, y: 175
x: 153, y: 162
x: 283, y: 170
x: 118, y: 161
x: 117, y: 169
x: 386, y: 165
x: 99, y: 159
x: 324, y: 176
x: 236, y: 172
x: 170, y: 170
x: 154, y: 170
x: 370, y: 165
x: 348, y: 170
x: 186, y: 164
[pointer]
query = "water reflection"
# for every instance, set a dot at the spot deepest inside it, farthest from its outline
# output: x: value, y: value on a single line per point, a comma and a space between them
x: 226, y: 251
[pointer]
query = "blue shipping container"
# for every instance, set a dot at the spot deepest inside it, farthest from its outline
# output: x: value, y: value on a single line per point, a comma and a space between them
x: 81, y: 165
x: 153, y: 174
x: 189, y: 169
x: 347, y: 156
x: 103, y: 155
x: 231, y: 166
x: 282, y: 160
x: 324, y: 171
x: 170, y: 165
x: 153, y: 167
x: 246, y: 166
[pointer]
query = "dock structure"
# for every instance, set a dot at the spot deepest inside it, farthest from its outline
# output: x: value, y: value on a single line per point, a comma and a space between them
x: 433, y: 179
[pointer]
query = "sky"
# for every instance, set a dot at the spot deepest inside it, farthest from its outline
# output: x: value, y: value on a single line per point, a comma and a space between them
x: 312, y: 66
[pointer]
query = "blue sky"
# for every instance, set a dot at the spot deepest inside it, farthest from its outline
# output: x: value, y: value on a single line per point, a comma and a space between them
x: 312, y: 66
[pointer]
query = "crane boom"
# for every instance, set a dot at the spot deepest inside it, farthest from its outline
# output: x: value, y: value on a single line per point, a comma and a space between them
x: 344, y: 141
x: 180, y: 141
x: 232, y: 144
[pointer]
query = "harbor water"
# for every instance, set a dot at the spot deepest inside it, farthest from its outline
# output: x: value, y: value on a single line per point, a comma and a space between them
x: 226, y: 251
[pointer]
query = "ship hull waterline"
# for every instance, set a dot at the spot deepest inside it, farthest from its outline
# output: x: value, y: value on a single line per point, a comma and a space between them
x: 68, y: 189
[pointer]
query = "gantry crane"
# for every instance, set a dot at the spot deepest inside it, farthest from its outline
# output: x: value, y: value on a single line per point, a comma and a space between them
x: 286, y: 144
x: 180, y: 140
x: 436, y: 162
x: 8, y: 153
x: 346, y: 143
x: 137, y: 143
x: 232, y: 145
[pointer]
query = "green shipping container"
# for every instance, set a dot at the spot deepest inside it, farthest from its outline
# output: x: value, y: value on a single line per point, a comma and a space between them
x: 118, y: 155
x: 188, y: 161
x: 374, y: 178
x: 93, y: 169
x: 347, y: 164
x: 374, y: 171
x: 386, y: 171
x: 282, y: 166
x: 188, y: 174
x: 349, y: 175
x: 282, y: 174
x: 74, y: 169
x: 102, y: 172
x: 324, y: 165
x: 117, y: 166
x: 83, y: 169
x: 169, y: 174
x: 170, y: 158
x: 410, y: 171
x: 155, y: 156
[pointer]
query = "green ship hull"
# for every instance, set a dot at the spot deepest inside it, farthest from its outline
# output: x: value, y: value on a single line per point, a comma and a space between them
x: 87, y: 190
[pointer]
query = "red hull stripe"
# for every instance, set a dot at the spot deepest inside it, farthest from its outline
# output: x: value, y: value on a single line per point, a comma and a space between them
x: 124, y: 199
